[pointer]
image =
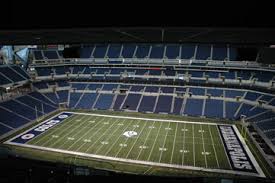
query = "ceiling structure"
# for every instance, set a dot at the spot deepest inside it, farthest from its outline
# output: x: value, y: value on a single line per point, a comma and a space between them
x: 258, y: 36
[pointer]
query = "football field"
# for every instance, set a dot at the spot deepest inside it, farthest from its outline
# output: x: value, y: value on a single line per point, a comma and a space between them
x: 166, y: 143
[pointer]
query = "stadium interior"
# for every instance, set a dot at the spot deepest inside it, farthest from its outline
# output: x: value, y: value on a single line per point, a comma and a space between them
x: 189, y: 104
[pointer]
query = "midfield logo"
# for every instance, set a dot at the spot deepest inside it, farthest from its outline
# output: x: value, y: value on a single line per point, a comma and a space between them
x: 130, y: 133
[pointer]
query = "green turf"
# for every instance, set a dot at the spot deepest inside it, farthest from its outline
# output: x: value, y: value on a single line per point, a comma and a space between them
x: 173, y: 143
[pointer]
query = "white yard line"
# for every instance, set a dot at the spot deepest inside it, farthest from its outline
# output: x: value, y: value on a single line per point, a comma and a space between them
x: 148, y: 170
x: 125, y: 141
x: 194, y: 155
x: 146, y: 119
x: 118, y: 137
x: 174, y: 142
x: 84, y: 133
x: 145, y: 140
x: 137, y: 161
x: 77, y: 132
x: 55, y: 129
x: 154, y: 143
x: 203, y: 147
x: 109, y: 136
x: 110, y: 127
x: 183, y: 146
x: 98, y: 123
x: 136, y: 141
x: 34, y: 128
x: 164, y: 143
x: 62, y: 131
x: 213, y: 146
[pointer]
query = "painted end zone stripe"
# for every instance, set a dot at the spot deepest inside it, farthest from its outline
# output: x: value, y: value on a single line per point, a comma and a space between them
x: 41, y: 128
x: 237, y: 155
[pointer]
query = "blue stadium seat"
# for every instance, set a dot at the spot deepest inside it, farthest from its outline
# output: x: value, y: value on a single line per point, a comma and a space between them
x: 114, y: 51
x: 155, y: 72
x: 21, y: 71
x: 136, y: 88
x: 219, y: 52
x: 229, y: 75
x: 188, y: 51
x: 79, y: 86
x: 51, y: 54
x: 43, y: 71
x: 52, y: 96
x: 128, y: 51
x: 264, y: 76
x: 152, y: 89
x: 232, y: 54
x: 104, y: 101
x: 244, y: 110
x: 100, y: 51
x: 109, y: 87
x: 197, y: 91
x: 131, y: 101
x: 213, y: 108
x: 215, y: 92
x: 10, y: 74
x: 86, y: 52
x: 252, y: 96
x: 203, y: 52
x: 74, y: 98
x: 116, y: 71
x: 244, y: 75
x: 40, y: 85
x: 12, y: 120
x: 164, y: 104
x: 4, y: 129
x: 172, y: 51
x: 157, y: 51
x: 118, y: 102
x: 196, y: 74
x: 169, y: 72
x: 193, y: 107
x: 213, y: 74
x: 63, y: 96
x: 94, y: 86
x: 231, y: 108
x: 102, y: 70
x: 266, y: 98
x: 147, y: 104
x: 177, y: 105
x: 38, y: 55
x: 167, y: 89
x: 78, y: 69
x: 142, y: 51
x: 233, y: 93
x: 87, y: 101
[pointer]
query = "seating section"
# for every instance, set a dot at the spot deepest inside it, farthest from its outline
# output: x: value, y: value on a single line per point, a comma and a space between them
x: 20, y: 111
x: 154, y: 74
x: 142, y: 98
x: 12, y: 74
x: 164, y: 104
x: 213, y: 108
x: 104, y: 101
x: 193, y: 107
x: 147, y: 104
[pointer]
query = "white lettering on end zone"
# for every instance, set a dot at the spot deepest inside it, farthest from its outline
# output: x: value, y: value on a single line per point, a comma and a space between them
x: 27, y: 136
x: 62, y: 116
x: 41, y: 128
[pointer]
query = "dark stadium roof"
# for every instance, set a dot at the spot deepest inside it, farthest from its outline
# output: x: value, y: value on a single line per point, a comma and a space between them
x: 47, y: 23
x: 139, y: 34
